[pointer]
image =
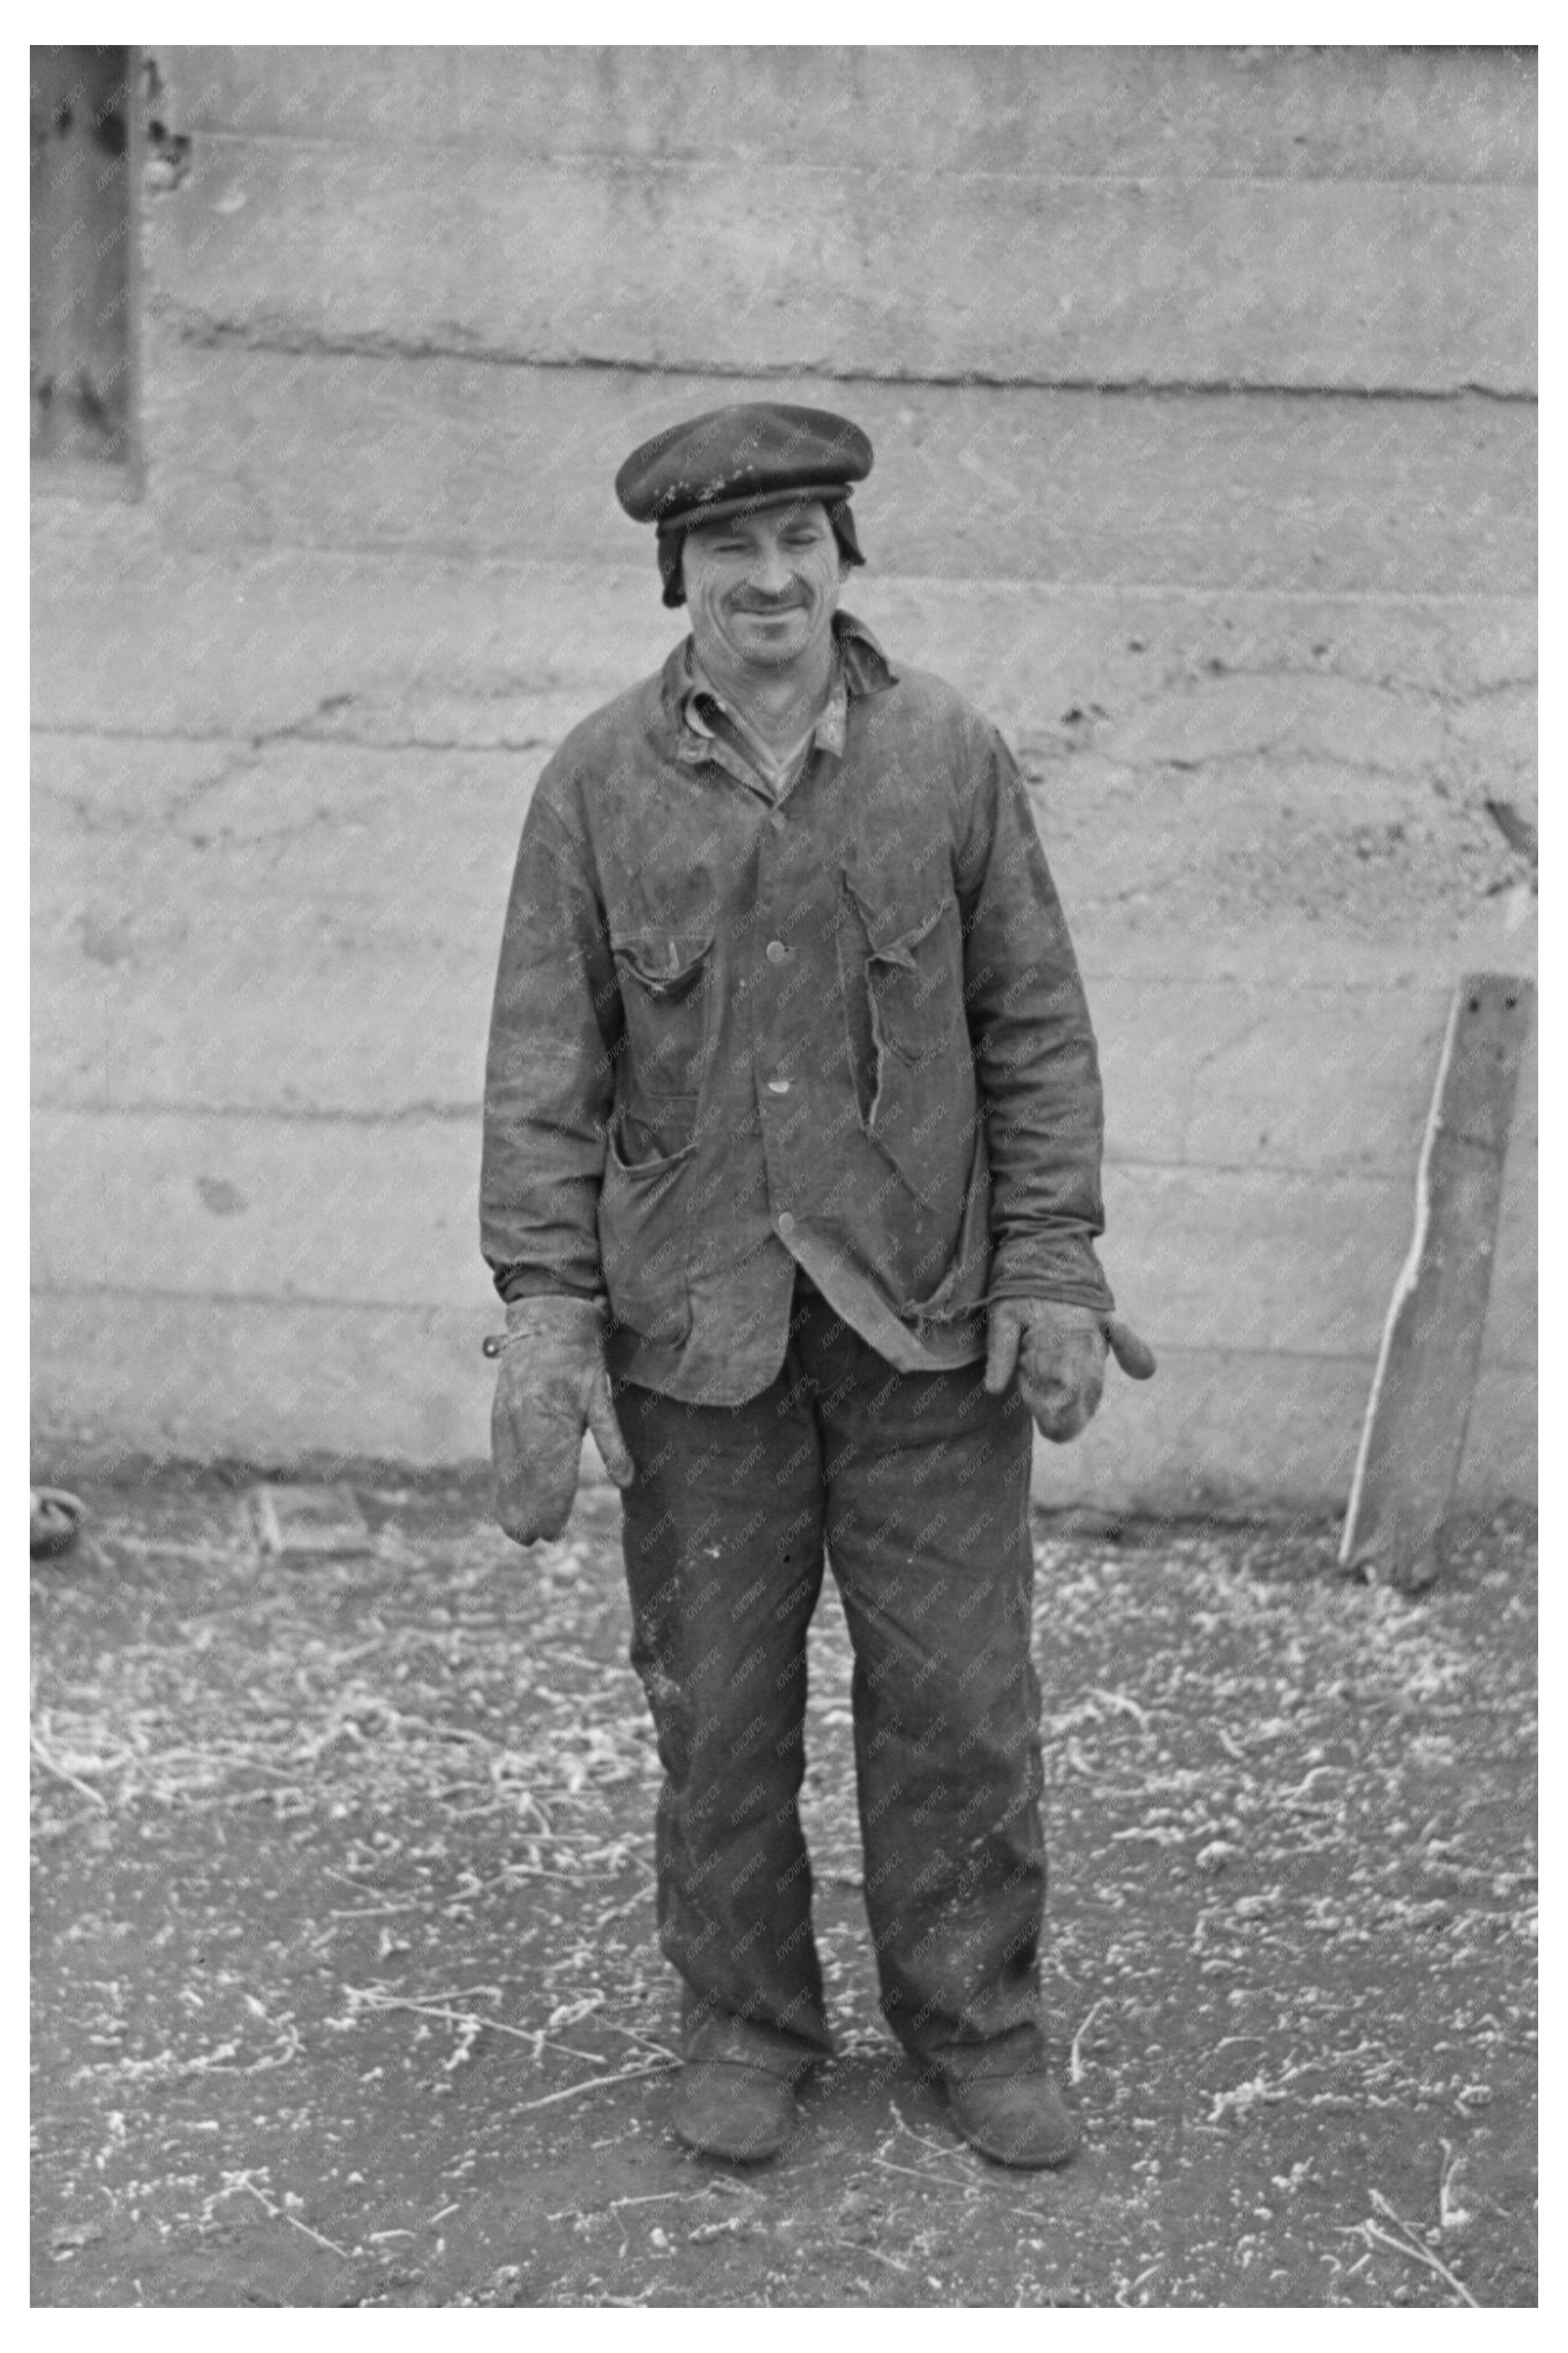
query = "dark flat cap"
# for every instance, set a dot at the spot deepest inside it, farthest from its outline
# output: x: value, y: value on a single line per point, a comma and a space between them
x: 755, y: 454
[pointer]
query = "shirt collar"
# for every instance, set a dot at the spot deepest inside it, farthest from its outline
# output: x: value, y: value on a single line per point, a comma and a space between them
x: 860, y: 667
x: 699, y: 695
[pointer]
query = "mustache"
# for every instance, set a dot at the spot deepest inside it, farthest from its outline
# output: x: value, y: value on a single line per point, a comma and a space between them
x: 744, y: 602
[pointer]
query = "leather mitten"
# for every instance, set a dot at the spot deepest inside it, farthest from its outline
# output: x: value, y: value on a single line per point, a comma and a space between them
x: 1058, y: 1354
x: 551, y: 1387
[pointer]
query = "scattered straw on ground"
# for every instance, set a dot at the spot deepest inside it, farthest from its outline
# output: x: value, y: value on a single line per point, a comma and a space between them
x: 1288, y: 1963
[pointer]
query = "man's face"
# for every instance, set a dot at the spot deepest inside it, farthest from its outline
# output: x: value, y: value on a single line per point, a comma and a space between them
x: 762, y: 587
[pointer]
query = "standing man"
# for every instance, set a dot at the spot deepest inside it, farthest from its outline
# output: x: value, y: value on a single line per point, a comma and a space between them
x: 792, y: 1148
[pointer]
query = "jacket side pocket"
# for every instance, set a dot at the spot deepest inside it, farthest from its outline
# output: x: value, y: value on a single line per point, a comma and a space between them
x: 645, y: 1229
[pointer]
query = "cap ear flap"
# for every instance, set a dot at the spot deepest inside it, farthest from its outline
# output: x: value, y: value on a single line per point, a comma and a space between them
x: 843, y: 521
x: 668, y: 547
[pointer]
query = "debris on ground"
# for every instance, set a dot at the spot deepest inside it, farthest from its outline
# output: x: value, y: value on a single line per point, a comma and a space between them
x: 55, y: 1518
x: 305, y: 1523
x: 349, y: 1991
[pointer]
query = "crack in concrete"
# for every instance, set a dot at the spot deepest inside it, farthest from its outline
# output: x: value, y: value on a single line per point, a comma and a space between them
x: 1278, y: 753
x: 301, y: 730
x: 185, y: 799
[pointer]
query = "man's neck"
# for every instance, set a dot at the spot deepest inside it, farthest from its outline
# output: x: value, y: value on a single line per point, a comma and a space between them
x: 779, y: 706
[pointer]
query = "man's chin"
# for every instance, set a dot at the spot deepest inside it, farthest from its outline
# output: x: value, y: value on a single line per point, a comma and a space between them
x: 767, y: 645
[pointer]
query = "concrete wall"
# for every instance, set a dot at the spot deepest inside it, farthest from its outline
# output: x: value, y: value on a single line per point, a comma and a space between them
x: 1200, y: 385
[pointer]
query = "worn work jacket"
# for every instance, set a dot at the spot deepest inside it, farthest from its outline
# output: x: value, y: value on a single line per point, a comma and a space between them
x: 843, y: 1029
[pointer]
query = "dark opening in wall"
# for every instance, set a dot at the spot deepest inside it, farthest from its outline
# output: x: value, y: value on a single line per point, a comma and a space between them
x: 83, y: 263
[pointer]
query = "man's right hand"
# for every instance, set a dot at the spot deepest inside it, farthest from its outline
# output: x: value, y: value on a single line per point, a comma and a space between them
x: 551, y: 1387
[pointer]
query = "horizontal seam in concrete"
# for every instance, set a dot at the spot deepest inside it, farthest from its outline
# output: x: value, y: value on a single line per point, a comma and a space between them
x: 622, y: 163
x: 1315, y: 1172
x: 321, y: 1300
x: 1275, y: 752
x: 1037, y: 732
x: 300, y: 732
x: 203, y: 332
x: 284, y: 1115
x: 465, y: 1115
x: 473, y: 560
x: 448, y: 1312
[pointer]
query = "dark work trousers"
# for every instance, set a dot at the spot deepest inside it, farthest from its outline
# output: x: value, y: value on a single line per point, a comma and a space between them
x: 918, y: 1483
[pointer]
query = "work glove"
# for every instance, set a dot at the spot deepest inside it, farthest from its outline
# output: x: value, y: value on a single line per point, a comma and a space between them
x: 1058, y: 1352
x: 551, y: 1387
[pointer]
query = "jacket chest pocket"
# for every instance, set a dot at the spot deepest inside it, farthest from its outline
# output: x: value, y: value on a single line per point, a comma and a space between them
x: 916, y: 984
x: 902, y: 978
x: 667, y: 996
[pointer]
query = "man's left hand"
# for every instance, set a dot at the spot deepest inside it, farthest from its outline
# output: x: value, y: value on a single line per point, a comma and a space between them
x: 1058, y: 1354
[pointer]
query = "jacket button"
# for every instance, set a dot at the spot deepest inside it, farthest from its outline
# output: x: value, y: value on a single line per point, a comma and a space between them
x: 778, y: 1086
x: 785, y: 1222
x: 776, y: 951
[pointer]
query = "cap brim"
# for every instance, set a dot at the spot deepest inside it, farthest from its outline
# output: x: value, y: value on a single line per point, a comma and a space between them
x: 828, y: 494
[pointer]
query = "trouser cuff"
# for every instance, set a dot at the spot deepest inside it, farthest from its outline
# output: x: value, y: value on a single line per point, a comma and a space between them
x: 721, y: 2035
x: 1022, y: 2052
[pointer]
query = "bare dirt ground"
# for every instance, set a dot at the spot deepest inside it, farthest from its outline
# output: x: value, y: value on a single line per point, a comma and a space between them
x: 347, y: 1995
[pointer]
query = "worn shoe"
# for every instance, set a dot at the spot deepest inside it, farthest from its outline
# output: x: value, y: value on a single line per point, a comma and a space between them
x: 728, y: 2109
x: 1019, y: 2120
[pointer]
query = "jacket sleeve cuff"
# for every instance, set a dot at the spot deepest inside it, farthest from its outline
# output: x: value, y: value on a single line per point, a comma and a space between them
x: 540, y: 1283
x: 1062, y: 1267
